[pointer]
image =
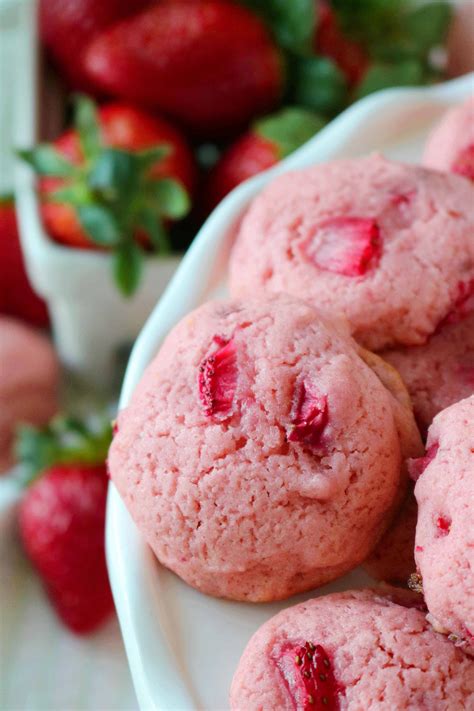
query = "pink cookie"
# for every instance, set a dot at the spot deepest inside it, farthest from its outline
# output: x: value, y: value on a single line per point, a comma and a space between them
x: 29, y: 376
x: 441, y: 372
x: 260, y: 456
x: 444, y: 551
x: 392, y: 560
x: 353, y: 651
x: 451, y: 144
x: 388, y: 245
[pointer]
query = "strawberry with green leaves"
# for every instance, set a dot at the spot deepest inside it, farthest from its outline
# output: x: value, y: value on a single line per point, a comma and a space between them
x: 268, y: 141
x: 62, y: 518
x: 114, y: 182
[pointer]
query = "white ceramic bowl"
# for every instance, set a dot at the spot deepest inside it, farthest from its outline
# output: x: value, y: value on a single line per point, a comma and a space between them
x: 90, y: 318
x: 183, y: 646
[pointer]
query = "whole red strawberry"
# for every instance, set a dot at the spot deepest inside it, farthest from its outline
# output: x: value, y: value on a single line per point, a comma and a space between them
x: 210, y: 64
x: 114, y: 182
x: 331, y: 42
x: 62, y: 519
x: 269, y: 140
x: 17, y: 298
x: 68, y: 26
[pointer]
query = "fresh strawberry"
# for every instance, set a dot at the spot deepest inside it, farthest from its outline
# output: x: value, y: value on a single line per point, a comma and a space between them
x: 218, y: 378
x: 17, y: 298
x: 68, y: 26
x: 464, y: 163
x: 307, y: 671
x: 112, y: 181
x: 309, y: 415
x: 344, y: 245
x: 270, y: 140
x: 210, y: 64
x: 416, y: 467
x: 62, y: 519
x: 330, y: 41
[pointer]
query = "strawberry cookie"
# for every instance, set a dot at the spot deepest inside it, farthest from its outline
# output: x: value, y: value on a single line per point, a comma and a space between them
x: 351, y: 651
x: 450, y: 146
x: 444, y: 550
x: 29, y: 376
x: 440, y: 372
x: 260, y: 456
x: 388, y: 245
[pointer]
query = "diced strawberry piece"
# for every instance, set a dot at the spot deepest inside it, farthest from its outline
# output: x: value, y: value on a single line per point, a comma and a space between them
x: 344, y: 245
x: 309, y: 415
x: 443, y: 524
x: 309, y: 677
x: 464, y: 163
x: 463, y: 304
x: 218, y: 378
x: 416, y: 467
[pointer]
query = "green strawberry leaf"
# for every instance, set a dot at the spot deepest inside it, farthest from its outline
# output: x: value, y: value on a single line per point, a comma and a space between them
x: 87, y: 125
x: 74, y: 194
x: 46, y: 160
x: 153, y: 226
x: 64, y: 440
x: 100, y: 225
x: 149, y: 156
x: 289, y: 128
x: 114, y: 175
x: 170, y: 198
x: 318, y: 84
x: 382, y: 76
x: 293, y: 22
x: 427, y: 25
x: 127, y: 267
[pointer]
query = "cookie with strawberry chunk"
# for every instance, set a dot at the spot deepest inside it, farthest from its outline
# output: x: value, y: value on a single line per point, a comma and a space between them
x: 386, y: 244
x: 450, y: 146
x: 260, y: 456
x: 444, y: 550
x: 365, y: 649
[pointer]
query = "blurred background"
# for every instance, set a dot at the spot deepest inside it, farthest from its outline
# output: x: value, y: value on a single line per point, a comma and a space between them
x: 123, y: 124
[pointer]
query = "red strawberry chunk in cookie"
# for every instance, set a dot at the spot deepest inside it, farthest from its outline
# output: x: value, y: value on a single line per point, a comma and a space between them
x: 218, y: 378
x: 416, y: 467
x: 464, y: 163
x: 443, y: 524
x: 307, y: 672
x: 309, y: 415
x: 344, y: 245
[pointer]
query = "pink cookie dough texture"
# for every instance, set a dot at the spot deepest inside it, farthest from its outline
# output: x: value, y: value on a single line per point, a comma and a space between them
x: 444, y: 551
x: 381, y: 655
x: 29, y: 375
x: 440, y: 372
x: 392, y: 560
x: 260, y: 456
x: 450, y: 146
x: 387, y: 245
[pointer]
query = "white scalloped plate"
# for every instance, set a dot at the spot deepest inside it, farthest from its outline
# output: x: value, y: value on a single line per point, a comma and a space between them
x: 182, y: 646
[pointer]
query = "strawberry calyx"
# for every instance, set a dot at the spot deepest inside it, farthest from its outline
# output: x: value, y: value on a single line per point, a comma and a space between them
x: 65, y: 440
x: 289, y: 128
x: 113, y: 192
